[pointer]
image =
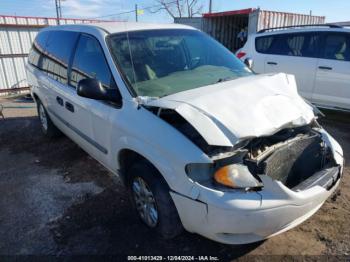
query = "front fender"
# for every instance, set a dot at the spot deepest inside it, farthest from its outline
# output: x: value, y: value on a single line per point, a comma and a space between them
x: 170, y: 166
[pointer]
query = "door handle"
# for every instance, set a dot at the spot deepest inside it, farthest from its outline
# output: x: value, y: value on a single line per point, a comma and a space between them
x: 59, y: 100
x: 272, y: 63
x: 69, y: 107
x: 325, y: 67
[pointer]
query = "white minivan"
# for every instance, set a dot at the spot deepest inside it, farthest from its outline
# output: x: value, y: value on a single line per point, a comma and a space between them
x: 200, y: 141
x: 317, y: 55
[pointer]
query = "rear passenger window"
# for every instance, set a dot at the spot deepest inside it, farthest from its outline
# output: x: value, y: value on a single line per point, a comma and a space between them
x: 59, y: 48
x: 89, y: 62
x: 295, y: 44
x: 37, y: 51
x: 337, y: 47
x: 304, y: 45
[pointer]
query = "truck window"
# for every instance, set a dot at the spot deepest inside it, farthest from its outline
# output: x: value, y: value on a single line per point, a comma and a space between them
x: 299, y: 44
x: 337, y: 47
x: 59, y: 49
x: 263, y: 44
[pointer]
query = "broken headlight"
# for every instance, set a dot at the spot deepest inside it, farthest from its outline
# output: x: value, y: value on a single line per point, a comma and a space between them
x: 236, y: 176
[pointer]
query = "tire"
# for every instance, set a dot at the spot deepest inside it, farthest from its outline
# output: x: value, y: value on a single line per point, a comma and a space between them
x: 167, y: 223
x: 47, y: 126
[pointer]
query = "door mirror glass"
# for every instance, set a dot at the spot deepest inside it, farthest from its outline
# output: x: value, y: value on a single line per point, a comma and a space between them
x: 93, y: 89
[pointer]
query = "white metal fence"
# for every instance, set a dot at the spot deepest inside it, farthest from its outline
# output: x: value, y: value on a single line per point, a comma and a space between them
x: 16, y: 37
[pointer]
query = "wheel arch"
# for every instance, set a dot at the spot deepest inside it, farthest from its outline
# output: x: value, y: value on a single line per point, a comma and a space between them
x: 126, y: 157
x: 35, y: 96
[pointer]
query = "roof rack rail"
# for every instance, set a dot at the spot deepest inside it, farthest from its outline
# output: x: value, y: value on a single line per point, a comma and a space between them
x: 341, y: 24
x: 296, y: 26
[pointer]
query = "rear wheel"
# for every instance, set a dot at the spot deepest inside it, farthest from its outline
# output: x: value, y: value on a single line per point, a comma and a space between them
x: 152, y: 201
x: 47, y: 127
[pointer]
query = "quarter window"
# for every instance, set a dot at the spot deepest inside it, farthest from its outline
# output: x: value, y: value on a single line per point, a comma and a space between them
x: 337, y: 47
x: 90, y: 62
x: 38, y: 49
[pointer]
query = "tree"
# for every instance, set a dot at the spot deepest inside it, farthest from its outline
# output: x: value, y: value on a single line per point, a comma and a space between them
x: 179, y: 8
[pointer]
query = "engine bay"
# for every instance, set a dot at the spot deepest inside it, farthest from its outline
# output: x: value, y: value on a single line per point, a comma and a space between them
x: 290, y: 156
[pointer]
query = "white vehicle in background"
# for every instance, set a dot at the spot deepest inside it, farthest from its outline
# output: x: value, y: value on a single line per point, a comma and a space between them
x: 317, y: 55
x: 198, y: 139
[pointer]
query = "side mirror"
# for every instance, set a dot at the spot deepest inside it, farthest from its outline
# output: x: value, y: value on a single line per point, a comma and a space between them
x: 249, y: 63
x: 93, y: 89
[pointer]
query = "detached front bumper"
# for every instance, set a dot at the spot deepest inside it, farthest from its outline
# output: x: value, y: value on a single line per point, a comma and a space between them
x: 239, y: 217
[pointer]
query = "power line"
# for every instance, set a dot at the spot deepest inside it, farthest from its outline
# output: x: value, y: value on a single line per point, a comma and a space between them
x: 122, y: 13
x: 133, y: 11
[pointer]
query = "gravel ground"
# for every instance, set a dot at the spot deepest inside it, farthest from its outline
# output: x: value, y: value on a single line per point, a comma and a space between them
x: 56, y: 200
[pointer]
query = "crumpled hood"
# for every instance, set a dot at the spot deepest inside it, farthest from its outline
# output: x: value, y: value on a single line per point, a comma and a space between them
x: 228, y: 112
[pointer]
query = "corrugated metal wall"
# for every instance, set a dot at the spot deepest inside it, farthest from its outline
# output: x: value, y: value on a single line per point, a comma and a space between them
x: 225, y: 26
x: 16, y: 37
x: 269, y: 19
x: 225, y: 29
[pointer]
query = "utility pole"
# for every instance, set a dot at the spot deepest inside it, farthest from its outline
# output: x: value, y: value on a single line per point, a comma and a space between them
x: 60, y: 8
x: 210, y: 6
x: 57, y: 3
x: 136, y: 15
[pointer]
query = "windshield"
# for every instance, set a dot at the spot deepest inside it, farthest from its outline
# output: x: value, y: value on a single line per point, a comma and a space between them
x: 162, y: 62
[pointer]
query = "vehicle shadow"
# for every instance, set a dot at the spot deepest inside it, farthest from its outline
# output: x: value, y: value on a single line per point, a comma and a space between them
x: 335, y: 116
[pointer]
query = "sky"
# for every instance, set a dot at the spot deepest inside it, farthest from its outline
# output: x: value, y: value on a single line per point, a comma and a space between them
x: 335, y: 11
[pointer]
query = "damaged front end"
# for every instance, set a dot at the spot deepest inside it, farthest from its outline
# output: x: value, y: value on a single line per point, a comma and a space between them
x: 257, y: 131
x: 264, y: 164
x: 177, y: 121
x: 299, y: 158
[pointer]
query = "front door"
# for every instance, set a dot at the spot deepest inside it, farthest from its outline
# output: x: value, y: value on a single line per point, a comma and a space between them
x: 332, y: 86
x: 90, y: 118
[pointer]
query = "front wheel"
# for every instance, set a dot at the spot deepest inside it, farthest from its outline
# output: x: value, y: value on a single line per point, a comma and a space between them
x: 152, y: 201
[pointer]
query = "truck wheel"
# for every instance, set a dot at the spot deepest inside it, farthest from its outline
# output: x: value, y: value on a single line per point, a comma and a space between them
x: 47, y: 127
x: 151, y: 199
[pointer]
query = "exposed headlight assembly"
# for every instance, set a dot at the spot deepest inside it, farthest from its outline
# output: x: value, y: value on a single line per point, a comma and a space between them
x: 235, y: 176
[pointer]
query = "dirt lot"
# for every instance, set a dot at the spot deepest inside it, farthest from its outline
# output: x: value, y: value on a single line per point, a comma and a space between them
x: 55, y: 199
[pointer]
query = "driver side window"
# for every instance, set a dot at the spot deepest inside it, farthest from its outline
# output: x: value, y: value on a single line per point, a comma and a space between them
x: 337, y: 47
x: 89, y: 62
